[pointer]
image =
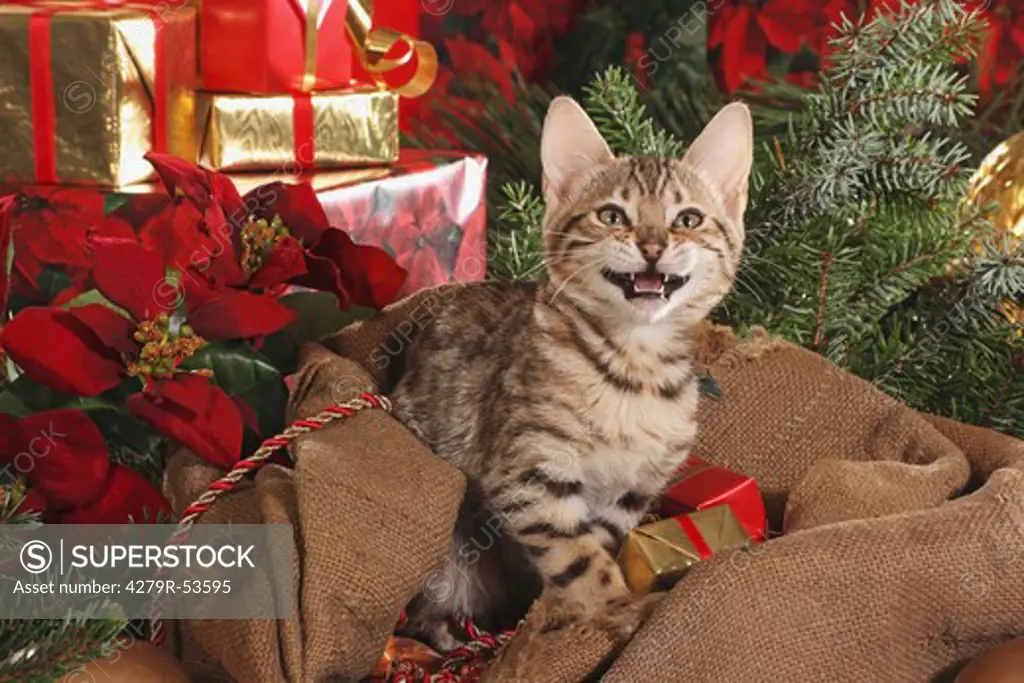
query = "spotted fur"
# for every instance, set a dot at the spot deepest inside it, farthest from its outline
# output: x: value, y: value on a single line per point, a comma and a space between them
x: 567, y: 404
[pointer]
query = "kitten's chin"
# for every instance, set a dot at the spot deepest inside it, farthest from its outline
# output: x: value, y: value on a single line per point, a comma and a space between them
x: 649, y: 310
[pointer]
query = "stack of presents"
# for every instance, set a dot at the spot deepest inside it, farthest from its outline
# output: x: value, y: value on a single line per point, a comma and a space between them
x: 296, y: 90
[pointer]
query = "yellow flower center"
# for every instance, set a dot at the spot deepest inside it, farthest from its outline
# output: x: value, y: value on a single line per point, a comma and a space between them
x: 161, y: 351
x: 259, y: 238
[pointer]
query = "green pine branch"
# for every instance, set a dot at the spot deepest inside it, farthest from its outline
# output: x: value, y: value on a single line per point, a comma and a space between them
x: 614, y: 105
x: 517, y: 251
x: 43, y: 650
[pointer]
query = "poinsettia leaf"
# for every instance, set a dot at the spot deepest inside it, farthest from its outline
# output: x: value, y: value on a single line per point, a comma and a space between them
x: 248, y: 375
x: 317, y: 315
x: 49, y: 284
x: 131, y: 441
x: 114, y: 201
x: 24, y: 396
x: 119, y: 394
x: 12, y: 404
x: 93, y: 296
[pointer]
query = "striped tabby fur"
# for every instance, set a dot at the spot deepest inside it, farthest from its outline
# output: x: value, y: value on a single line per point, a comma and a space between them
x: 568, y: 403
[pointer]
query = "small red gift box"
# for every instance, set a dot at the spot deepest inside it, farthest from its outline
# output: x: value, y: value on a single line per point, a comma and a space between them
x: 699, y: 485
x: 273, y: 46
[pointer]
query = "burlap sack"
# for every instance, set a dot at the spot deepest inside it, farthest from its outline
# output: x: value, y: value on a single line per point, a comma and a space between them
x: 884, y: 574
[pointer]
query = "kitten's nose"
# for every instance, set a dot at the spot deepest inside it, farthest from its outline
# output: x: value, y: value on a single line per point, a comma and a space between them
x: 652, y: 251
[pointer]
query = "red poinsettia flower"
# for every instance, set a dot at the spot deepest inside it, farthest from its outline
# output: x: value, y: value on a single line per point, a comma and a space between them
x: 52, y: 225
x: 213, y: 227
x: 275, y: 235
x: 178, y: 232
x: 54, y: 222
x: 355, y: 273
x: 63, y: 455
x: 126, y: 496
x: 87, y: 350
x: 521, y: 28
x: 474, y: 62
x: 744, y: 32
x: 527, y: 29
x: 191, y: 410
x: 1004, y: 46
x: 73, y: 351
x: 90, y: 349
x: 133, y: 277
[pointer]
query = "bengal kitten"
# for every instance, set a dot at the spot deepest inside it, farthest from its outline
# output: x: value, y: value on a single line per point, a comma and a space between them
x: 568, y: 403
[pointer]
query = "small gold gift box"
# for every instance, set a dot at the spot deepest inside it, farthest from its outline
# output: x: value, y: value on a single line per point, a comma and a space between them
x: 655, y: 555
x: 300, y: 132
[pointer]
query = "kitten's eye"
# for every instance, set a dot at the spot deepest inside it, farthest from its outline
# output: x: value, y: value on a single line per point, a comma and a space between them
x: 688, y: 218
x: 612, y: 215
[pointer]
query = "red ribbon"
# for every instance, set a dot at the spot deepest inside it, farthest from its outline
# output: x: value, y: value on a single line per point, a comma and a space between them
x: 158, y: 120
x: 44, y: 112
x: 305, y: 132
x: 44, y: 104
x: 693, y: 533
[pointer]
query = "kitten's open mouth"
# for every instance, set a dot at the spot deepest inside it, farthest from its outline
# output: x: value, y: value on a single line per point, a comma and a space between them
x: 648, y: 284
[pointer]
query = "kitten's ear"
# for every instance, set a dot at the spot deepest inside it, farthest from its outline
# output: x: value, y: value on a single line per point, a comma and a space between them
x: 723, y: 154
x: 570, y: 146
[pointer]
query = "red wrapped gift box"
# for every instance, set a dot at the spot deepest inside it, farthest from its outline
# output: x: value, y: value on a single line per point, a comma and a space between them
x: 699, y: 485
x: 428, y: 210
x: 273, y: 46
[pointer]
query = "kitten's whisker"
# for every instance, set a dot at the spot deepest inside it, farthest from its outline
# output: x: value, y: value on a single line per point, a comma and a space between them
x: 745, y: 281
x: 571, y: 276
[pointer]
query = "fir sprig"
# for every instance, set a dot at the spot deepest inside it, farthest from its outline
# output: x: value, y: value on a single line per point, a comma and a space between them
x: 43, y: 650
x: 517, y: 250
x: 614, y: 105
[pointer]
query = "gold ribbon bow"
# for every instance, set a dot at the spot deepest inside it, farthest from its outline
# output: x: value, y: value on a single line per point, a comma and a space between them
x: 312, y: 9
x: 374, y: 43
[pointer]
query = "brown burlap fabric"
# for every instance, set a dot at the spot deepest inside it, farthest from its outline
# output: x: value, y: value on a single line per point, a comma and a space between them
x: 888, y: 571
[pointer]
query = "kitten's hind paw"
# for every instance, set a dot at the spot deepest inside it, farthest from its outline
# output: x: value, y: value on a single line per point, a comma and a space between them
x: 618, y: 619
x: 623, y: 616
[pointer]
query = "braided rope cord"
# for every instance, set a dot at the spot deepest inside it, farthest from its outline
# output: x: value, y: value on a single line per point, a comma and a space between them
x: 462, y: 664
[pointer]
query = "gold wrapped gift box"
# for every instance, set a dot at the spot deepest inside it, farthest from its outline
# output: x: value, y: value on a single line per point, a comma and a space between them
x: 655, y: 555
x: 298, y: 132
x: 88, y: 92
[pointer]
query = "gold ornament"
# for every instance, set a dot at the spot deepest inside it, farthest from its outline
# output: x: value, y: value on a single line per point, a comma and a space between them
x: 1000, y: 179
